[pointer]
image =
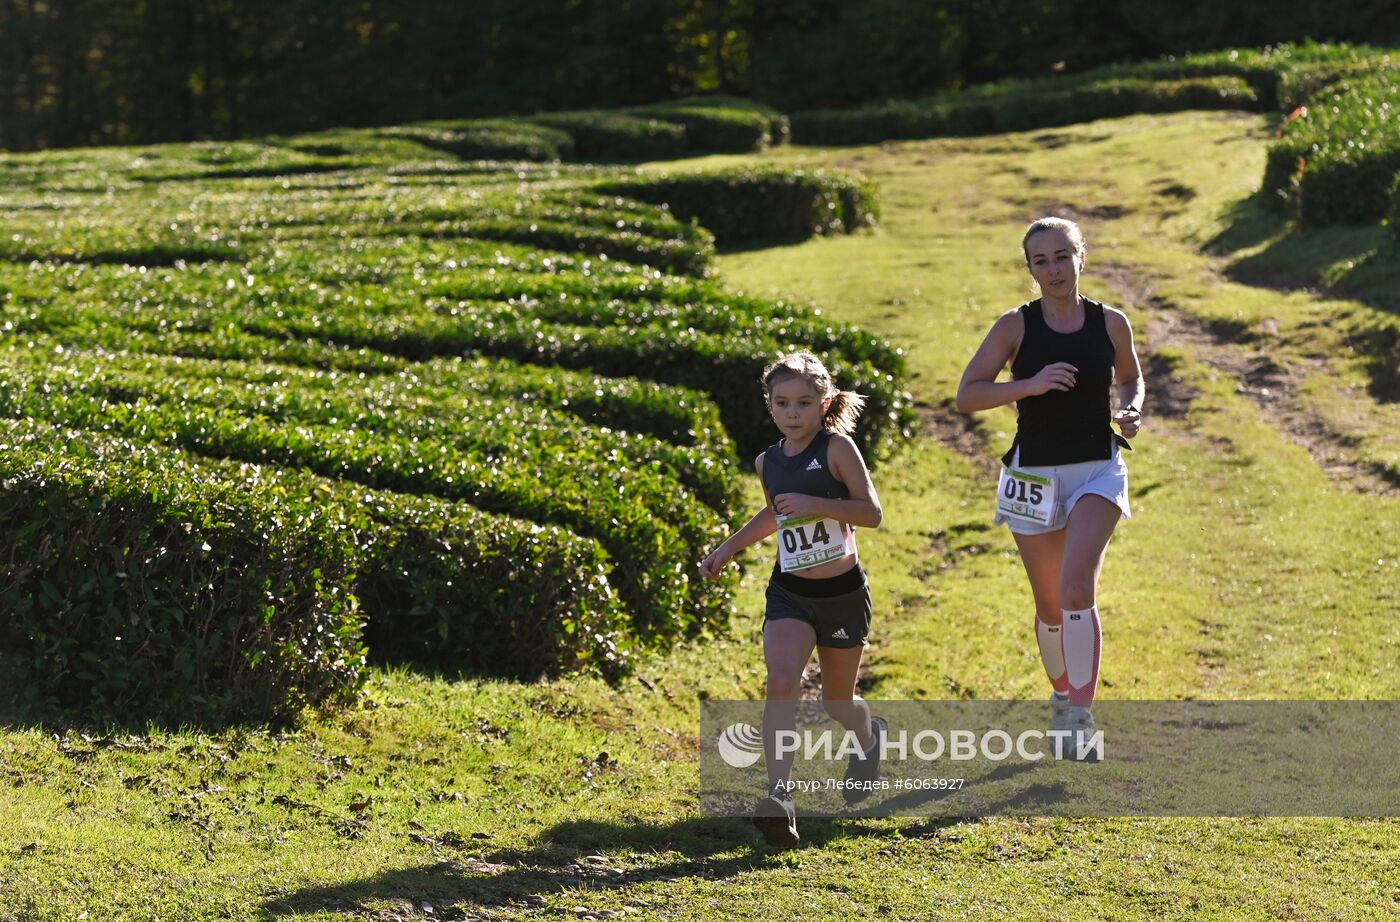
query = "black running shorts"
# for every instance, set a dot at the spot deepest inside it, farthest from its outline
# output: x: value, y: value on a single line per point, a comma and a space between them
x: 837, y: 608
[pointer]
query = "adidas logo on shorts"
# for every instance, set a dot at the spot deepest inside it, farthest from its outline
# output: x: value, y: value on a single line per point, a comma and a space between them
x: 840, y: 634
x: 814, y: 466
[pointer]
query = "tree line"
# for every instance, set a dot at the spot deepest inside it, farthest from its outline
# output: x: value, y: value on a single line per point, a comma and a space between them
x: 75, y: 72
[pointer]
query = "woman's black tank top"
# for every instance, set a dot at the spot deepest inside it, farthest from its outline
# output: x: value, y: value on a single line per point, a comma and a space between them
x: 1065, y: 427
x: 807, y: 472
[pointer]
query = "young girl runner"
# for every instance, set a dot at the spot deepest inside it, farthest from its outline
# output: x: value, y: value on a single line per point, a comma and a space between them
x: 1064, y: 485
x: 818, y: 490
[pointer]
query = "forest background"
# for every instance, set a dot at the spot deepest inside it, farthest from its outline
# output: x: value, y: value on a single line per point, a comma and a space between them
x: 83, y: 72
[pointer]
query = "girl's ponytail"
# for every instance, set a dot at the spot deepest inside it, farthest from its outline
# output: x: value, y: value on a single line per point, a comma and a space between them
x: 845, y: 409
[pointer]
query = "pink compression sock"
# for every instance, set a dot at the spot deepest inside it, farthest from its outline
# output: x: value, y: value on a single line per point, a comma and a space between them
x: 1081, y: 637
x: 1052, y: 655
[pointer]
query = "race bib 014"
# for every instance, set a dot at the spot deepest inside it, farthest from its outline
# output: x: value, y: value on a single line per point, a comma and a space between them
x: 1028, y: 497
x: 809, y: 540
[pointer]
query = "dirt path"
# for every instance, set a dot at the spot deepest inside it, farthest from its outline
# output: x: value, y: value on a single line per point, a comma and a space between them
x: 1248, y: 360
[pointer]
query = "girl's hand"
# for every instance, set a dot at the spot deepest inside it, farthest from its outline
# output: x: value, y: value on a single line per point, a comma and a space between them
x: 795, y: 505
x: 711, y: 566
x: 1057, y: 376
x: 1129, y: 420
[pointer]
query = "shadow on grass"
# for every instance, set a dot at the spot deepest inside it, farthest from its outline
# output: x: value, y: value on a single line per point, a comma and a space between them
x: 1361, y: 262
x: 709, y: 848
x: 1355, y: 261
x: 105, y: 725
x: 567, y: 857
x: 1250, y: 222
x: 151, y: 255
x: 733, y: 248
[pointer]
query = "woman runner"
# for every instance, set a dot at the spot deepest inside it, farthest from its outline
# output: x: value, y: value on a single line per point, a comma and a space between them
x: 1064, y: 485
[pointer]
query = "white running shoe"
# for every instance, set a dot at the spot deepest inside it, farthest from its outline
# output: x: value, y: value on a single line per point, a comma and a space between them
x: 1080, y: 724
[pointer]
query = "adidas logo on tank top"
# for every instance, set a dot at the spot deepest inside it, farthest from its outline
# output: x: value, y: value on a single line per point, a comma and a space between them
x: 815, y: 465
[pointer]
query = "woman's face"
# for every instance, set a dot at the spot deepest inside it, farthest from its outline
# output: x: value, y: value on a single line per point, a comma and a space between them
x: 796, y: 406
x: 1054, y: 264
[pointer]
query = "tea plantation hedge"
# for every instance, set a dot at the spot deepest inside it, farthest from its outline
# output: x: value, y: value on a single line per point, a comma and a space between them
x: 1337, y: 158
x: 176, y: 586
x: 490, y: 139
x: 461, y: 415
x: 1020, y: 107
x: 615, y: 136
x: 136, y: 580
x: 697, y: 124
x: 759, y: 204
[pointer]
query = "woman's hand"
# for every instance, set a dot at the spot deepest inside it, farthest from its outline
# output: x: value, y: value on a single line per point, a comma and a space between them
x: 1057, y: 376
x: 795, y: 505
x: 718, y: 559
x: 1129, y: 420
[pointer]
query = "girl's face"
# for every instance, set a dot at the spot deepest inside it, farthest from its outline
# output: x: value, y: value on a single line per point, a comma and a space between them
x: 1054, y: 264
x: 796, y: 406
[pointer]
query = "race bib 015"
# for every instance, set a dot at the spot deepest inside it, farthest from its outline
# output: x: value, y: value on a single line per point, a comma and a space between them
x: 1028, y: 497
x: 809, y: 540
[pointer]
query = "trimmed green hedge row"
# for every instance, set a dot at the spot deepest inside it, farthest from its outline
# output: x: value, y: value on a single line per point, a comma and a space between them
x: 490, y: 139
x: 681, y: 416
x: 779, y: 126
x: 726, y: 365
x: 403, y: 407
x: 1336, y: 161
x: 144, y: 579
x: 525, y: 207
x: 562, y: 319
x: 135, y: 580
x: 613, y: 136
x: 670, y: 301
x: 712, y: 129
x: 544, y: 475
x: 759, y: 204
x: 1019, y: 107
x: 695, y: 124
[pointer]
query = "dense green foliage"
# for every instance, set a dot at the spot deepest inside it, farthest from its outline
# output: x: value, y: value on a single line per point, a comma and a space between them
x: 702, y: 124
x: 1337, y: 159
x: 431, y: 382
x: 139, y: 579
x: 748, y: 205
x: 1019, y: 107
x: 490, y: 139
x: 1394, y: 219
x: 721, y: 124
x: 616, y: 136
x: 99, y: 71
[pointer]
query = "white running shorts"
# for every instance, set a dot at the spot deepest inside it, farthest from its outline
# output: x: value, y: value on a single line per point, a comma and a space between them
x: 1108, y: 479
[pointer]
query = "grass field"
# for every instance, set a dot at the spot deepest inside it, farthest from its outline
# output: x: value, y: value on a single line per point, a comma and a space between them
x: 1260, y: 563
